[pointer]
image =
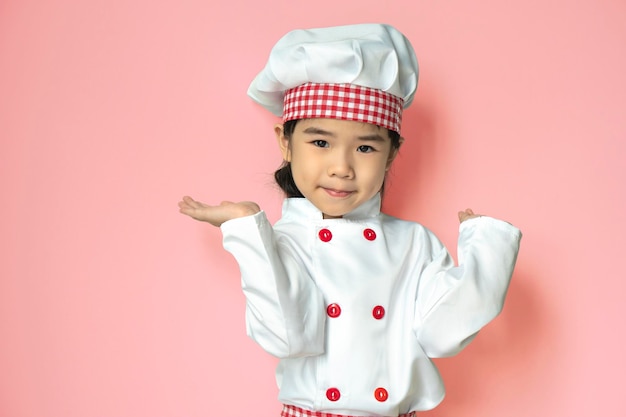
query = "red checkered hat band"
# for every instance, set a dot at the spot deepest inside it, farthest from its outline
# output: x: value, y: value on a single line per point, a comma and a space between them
x: 344, y: 102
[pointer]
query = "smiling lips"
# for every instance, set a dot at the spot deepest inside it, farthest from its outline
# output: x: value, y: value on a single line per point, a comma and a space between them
x: 337, y: 193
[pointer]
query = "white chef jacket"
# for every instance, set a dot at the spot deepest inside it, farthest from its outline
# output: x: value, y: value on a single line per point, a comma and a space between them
x: 356, y: 307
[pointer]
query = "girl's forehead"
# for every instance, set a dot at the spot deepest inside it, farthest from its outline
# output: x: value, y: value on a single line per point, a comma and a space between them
x: 340, y: 127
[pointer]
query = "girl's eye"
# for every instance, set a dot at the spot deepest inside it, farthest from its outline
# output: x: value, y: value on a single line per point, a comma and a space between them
x: 320, y: 143
x: 365, y: 148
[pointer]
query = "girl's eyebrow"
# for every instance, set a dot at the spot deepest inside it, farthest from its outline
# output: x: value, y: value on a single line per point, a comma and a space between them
x: 317, y: 131
x: 372, y: 138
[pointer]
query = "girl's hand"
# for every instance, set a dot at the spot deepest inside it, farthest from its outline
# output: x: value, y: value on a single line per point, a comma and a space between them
x: 466, y: 215
x: 216, y: 215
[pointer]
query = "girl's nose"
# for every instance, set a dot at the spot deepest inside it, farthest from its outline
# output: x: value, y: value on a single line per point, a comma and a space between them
x: 340, y: 166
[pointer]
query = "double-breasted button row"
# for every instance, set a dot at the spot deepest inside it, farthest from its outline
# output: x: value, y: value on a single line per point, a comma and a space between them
x: 326, y: 235
x: 381, y: 394
x: 334, y: 310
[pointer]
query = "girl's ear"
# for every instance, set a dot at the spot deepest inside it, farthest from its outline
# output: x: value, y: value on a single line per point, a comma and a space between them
x: 392, y: 154
x: 283, y: 142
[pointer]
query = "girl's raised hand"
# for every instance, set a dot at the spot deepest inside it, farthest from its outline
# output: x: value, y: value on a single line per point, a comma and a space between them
x: 216, y: 215
x: 466, y: 215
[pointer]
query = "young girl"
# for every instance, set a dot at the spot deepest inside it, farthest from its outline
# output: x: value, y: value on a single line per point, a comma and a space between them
x: 354, y: 302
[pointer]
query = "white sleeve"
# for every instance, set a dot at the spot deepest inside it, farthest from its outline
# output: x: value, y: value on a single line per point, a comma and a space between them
x: 284, y: 314
x: 455, y: 302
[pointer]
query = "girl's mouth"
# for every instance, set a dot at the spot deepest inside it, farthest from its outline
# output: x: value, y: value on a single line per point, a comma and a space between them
x: 337, y: 193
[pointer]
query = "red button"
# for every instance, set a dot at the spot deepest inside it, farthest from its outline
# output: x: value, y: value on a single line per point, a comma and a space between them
x: 381, y: 394
x: 325, y: 235
x: 333, y: 310
x: 369, y: 234
x: 333, y: 394
x: 378, y: 312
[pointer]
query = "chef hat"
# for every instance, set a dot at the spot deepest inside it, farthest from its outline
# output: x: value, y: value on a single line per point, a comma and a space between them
x: 365, y: 72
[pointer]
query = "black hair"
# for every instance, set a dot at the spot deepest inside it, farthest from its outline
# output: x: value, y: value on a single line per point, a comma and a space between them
x: 283, y: 175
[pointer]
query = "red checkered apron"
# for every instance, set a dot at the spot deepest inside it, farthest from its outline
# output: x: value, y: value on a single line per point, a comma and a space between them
x: 292, y: 411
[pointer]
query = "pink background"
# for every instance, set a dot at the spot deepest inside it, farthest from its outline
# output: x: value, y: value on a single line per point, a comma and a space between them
x: 113, y: 304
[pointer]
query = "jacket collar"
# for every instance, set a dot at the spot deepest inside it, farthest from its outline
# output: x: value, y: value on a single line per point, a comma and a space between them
x: 304, y: 209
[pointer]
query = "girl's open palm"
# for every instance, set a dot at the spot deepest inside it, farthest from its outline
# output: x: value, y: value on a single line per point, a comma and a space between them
x: 467, y: 214
x: 216, y: 215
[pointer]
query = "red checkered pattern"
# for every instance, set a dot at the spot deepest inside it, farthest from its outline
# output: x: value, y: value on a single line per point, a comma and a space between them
x: 292, y: 411
x: 344, y: 102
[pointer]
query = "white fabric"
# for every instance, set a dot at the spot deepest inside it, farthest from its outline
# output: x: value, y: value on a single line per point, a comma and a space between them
x: 371, y: 55
x: 432, y: 308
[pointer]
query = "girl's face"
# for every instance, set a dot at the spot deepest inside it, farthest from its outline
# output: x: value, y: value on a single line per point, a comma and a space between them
x: 337, y: 164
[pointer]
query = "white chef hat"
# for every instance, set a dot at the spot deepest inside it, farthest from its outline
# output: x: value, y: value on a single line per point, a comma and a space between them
x: 365, y: 72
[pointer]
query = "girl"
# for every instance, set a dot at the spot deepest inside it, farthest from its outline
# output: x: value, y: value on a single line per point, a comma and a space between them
x: 354, y: 302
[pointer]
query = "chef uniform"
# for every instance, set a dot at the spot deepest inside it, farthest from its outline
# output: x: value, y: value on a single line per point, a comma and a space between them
x: 355, y: 307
